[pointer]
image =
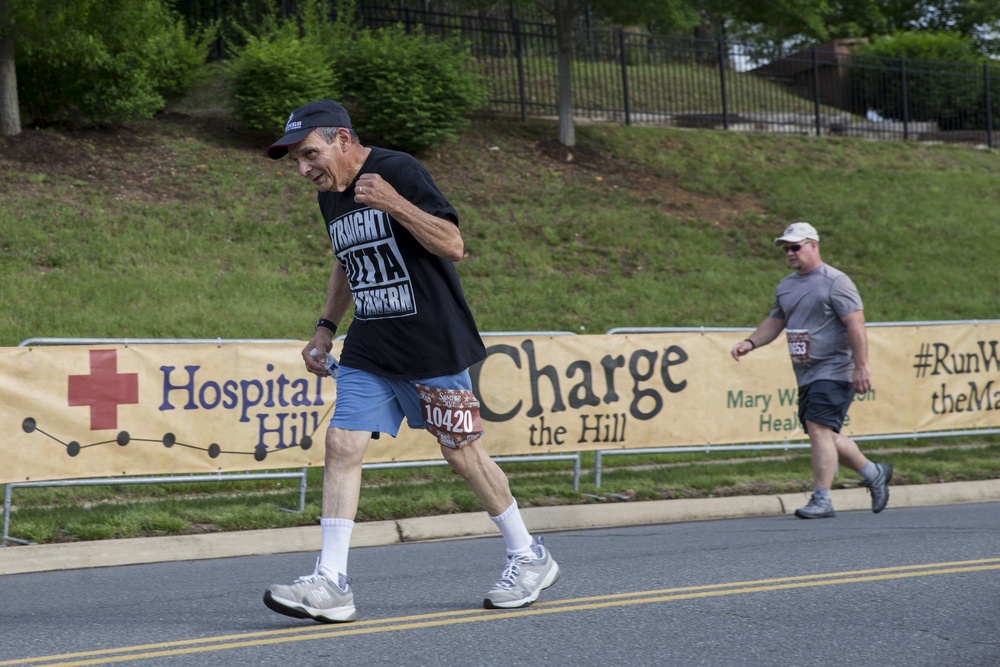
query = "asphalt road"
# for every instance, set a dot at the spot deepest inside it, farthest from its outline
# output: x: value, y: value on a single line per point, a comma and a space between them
x: 912, y: 586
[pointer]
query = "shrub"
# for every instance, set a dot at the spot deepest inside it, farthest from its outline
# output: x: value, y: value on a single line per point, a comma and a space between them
x: 941, y: 72
x: 927, y: 45
x: 177, y: 61
x: 275, y: 74
x: 106, y: 62
x: 406, y: 91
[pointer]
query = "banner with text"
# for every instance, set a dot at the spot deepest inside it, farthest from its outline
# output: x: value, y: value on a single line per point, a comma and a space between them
x: 95, y: 411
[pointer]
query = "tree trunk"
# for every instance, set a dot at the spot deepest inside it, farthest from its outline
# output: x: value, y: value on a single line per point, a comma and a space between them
x: 10, y: 112
x: 564, y: 47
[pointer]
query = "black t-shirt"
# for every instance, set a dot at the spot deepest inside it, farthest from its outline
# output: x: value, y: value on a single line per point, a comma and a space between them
x: 411, y: 319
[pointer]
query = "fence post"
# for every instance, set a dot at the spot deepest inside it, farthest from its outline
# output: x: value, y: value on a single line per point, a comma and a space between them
x: 906, y: 102
x: 723, y: 57
x: 989, y: 105
x: 518, y: 52
x: 624, y: 60
x: 816, y: 109
x: 6, y: 514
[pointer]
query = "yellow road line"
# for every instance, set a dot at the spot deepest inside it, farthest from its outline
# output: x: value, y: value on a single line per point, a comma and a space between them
x: 420, y: 621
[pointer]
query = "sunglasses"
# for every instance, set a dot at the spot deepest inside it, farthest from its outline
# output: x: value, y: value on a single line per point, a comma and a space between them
x: 793, y: 248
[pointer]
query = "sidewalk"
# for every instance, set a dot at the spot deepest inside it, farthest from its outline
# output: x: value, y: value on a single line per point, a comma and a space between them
x: 106, y: 553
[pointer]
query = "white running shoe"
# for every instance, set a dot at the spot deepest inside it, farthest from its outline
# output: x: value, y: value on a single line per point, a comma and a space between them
x: 322, y: 596
x: 523, y: 579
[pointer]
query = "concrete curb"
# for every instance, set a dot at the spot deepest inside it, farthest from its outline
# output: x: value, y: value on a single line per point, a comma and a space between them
x: 107, y: 553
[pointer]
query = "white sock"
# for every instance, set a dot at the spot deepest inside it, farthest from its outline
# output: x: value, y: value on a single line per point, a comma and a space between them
x: 514, y: 532
x: 823, y: 494
x: 336, y: 543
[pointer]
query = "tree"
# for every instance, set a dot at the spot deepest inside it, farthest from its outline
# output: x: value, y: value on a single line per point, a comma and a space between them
x: 564, y: 11
x: 21, y: 22
x: 666, y: 15
x: 777, y: 26
x: 10, y: 113
x: 99, y: 60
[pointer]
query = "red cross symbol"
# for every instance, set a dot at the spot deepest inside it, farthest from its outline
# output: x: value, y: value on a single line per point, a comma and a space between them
x: 104, y: 389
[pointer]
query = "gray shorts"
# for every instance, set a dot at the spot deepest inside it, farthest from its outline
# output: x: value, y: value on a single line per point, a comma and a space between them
x: 825, y: 402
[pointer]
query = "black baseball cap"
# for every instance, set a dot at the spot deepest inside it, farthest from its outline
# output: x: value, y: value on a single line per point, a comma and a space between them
x: 304, y: 120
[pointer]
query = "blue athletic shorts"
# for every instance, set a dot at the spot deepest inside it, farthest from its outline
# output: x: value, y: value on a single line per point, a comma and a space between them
x: 825, y: 402
x: 368, y: 402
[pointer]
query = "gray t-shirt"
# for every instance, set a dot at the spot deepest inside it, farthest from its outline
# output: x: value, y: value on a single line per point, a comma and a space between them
x: 811, y: 306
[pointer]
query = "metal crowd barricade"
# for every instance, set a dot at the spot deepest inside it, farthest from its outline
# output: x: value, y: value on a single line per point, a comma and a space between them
x: 162, y: 479
x: 599, y: 455
x: 301, y: 475
x: 575, y: 457
x: 527, y: 458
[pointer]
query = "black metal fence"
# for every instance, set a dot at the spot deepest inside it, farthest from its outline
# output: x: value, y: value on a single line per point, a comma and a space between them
x: 637, y: 78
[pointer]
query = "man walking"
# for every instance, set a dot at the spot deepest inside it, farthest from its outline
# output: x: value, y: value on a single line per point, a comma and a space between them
x: 821, y: 311
x: 406, y: 354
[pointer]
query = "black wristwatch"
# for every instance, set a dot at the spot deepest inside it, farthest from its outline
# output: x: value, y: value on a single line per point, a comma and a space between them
x: 326, y: 324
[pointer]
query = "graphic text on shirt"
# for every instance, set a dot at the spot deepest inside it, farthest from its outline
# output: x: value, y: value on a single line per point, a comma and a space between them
x: 380, y: 283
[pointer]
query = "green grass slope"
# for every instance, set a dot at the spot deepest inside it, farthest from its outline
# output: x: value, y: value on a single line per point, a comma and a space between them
x: 180, y: 227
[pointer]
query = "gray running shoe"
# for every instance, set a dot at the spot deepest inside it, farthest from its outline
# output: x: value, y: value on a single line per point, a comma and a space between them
x: 315, y: 596
x: 523, y: 579
x: 879, y: 487
x: 817, y: 508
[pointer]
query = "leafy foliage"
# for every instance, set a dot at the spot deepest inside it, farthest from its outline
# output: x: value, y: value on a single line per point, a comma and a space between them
x: 941, y: 46
x: 102, y: 61
x: 275, y: 74
x: 925, y: 76
x: 406, y: 91
x: 775, y: 27
x: 409, y: 92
